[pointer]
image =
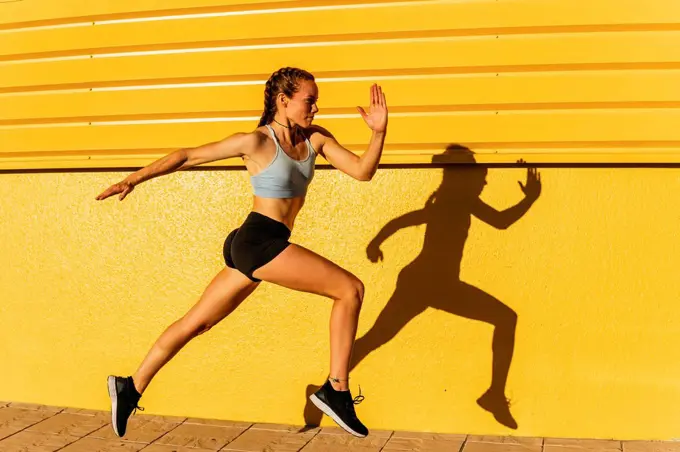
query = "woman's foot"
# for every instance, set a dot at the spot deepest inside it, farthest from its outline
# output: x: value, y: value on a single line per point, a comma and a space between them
x: 339, y: 406
x: 497, y: 404
x: 124, y: 399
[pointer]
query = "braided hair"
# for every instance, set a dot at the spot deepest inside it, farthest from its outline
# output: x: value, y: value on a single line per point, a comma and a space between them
x: 285, y: 80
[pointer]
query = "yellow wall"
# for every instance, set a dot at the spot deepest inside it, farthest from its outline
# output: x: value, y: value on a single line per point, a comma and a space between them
x: 590, y: 270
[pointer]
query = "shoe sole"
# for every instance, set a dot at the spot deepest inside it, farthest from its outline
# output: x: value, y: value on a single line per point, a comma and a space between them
x: 114, y: 403
x: 330, y: 413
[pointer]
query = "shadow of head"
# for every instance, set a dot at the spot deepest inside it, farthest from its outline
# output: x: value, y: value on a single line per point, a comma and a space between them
x: 467, y: 177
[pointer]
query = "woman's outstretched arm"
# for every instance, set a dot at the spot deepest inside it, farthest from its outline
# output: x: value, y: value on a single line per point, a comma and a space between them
x: 235, y: 145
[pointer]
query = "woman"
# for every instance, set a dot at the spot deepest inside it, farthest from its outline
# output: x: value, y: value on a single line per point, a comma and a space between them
x: 280, y: 156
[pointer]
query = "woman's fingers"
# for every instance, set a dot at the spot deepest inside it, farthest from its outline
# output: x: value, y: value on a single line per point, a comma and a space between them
x: 106, y: 193
x: 125, y: 193
x: 120, y: 188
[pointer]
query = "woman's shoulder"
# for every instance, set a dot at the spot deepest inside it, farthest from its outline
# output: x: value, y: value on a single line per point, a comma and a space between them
x: 318, y: 136
x: 257, y: 137
x: 260, y: 132
x: 314, y: 129
x: 246, y: 142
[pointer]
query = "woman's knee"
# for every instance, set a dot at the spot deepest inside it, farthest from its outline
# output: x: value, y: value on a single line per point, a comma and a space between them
x: 192, y: 327
x: 353, y: 292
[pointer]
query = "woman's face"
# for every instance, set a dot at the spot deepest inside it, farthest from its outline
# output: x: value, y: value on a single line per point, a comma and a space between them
x: 300, y: 110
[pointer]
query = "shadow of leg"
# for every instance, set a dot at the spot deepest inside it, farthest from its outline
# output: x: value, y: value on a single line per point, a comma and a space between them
x: 401, y: 309
x: 473, y: 303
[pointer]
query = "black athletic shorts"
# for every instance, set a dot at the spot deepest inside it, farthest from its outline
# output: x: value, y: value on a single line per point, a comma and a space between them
x: 259, y: 240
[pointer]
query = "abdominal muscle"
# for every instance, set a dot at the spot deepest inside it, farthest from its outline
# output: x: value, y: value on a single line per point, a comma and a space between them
x: 284, y: 210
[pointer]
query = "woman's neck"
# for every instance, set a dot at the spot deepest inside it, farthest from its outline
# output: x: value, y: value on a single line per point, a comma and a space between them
x: 285, y: 129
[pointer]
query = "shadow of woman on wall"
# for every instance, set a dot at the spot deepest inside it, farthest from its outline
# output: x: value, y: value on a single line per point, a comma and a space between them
x: 432, y: 279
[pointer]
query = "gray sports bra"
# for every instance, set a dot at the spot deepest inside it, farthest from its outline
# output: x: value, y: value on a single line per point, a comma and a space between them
x: 284, y: 177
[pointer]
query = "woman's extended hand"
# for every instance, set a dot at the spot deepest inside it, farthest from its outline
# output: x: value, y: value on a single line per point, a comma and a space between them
x: 124, y: 188
x: 376, y: 118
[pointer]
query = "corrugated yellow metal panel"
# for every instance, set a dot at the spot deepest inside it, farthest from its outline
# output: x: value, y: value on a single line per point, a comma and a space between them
x: 244, y: 29
x: 642, y: 156
x: 22, y: 12
x: 528, y: 16
x: 44, y: 12
x: 489, y: 73
x: 509, y: 91
x: 466, y: 128
x: 391, y: 55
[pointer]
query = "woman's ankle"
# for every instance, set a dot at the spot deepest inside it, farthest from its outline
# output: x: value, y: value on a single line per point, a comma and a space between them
x: 138, y: 387
x: 339, y: 384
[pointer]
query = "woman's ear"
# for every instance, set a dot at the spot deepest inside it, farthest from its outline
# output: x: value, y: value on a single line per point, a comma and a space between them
x: 282, y: 99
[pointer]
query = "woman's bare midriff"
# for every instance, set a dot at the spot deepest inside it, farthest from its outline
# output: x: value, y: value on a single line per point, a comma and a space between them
x: 284, y: 210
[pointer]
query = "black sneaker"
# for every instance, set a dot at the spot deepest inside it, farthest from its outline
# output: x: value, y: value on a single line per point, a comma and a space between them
x: 124, y: 398
x: 339, y: 406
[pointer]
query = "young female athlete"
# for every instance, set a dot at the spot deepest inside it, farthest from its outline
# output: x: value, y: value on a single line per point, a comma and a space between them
x: 279, y: 156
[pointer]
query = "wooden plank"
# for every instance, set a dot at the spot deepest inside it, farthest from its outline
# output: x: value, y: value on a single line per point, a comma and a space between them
x: 349, y: 57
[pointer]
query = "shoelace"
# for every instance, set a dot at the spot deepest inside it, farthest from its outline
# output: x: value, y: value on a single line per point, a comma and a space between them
x: 131, y: 390
x: 136, y: 407
x: 358, y: 399
x: 355, y: 401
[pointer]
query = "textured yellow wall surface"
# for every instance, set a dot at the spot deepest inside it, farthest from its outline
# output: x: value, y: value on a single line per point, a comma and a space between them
x: 589, y: 271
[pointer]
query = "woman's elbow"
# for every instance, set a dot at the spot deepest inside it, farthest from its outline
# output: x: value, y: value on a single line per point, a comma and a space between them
x: 186, y: 159
x: 364, y: 176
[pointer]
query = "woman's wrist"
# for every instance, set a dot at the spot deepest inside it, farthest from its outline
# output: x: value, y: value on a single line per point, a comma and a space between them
x: 133, y: 180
